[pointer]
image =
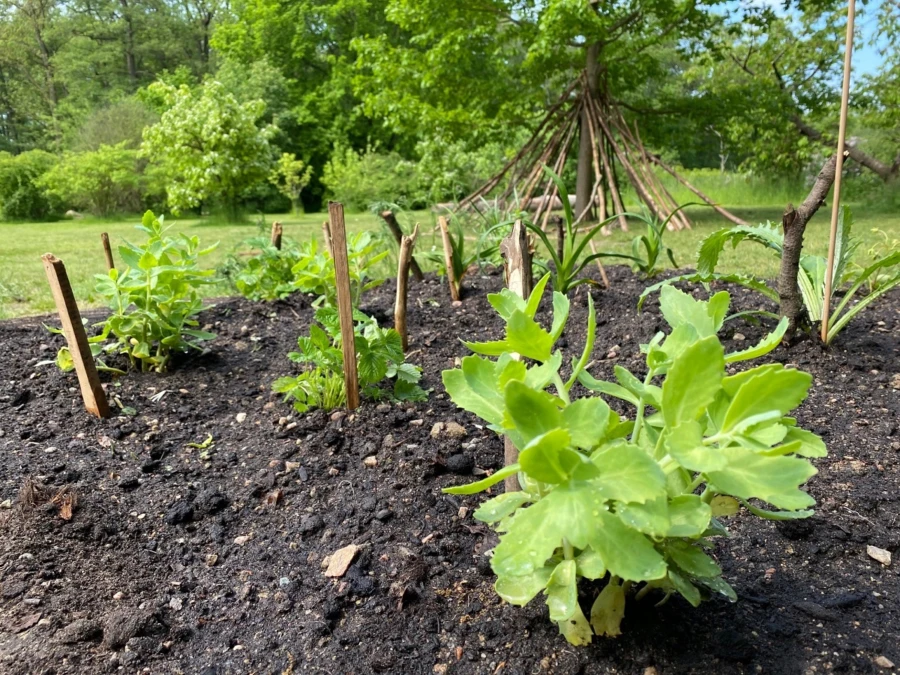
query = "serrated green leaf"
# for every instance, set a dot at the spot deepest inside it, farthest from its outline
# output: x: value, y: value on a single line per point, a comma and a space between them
x: 685, y: 444
x: 475, y: 388
x: 689, y: 516
x: 678, y: 308
x: 590, y: 564
x: 537, y: 531
x: 693, y: 381
x: 810, y: 444
x: 772, y: 479
x: 524, y: 336
x: 692, y: 559
x: 548, y: 459
x: 586, y: 420
x: 501, y: 506
x: 772, y: 394
x: 628, y: 474
x: 626, y: 553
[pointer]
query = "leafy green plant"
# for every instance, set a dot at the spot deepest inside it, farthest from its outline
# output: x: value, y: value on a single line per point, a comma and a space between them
x: 566, y: 269
x: 648, y: 249
x: 21, y: 194
x: 290, y: 176
x: 98, y: 347
x: 634, y: 501
x: 268, y: 275
x: 883, y: 247
x: 314, y: 269
x: 811, y: 276
x: 155, y: 298
x: 379, y: 353
x: 461, y: 259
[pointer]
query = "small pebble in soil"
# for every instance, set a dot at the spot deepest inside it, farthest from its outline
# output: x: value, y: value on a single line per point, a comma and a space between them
x: 240, y: 417
x: 884, y: 662
x: 881, y: 555
x: 461, y: 464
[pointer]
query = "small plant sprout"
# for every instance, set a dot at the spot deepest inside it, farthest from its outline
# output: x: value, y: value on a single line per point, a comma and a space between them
x: 632, y: 503
x: 379, y: 356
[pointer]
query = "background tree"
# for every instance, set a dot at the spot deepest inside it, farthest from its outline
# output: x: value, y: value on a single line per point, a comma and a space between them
x: 290, y: 176
x: 208, y: 146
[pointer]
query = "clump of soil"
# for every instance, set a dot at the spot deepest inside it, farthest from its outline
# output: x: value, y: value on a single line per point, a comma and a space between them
x: 210, y: 560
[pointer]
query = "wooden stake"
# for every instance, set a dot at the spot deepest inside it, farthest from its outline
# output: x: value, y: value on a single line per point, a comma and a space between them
x: 345, y: 301
x: 91, y: 390
x: 277, y: 231
x: 836, y: 196
x: 448, y: 259
x: 516, y: 251
x: 107, y: 251
x: 403, y: 268
x: 718, y: 209
x: 391, y: 221
x: 326, y: 237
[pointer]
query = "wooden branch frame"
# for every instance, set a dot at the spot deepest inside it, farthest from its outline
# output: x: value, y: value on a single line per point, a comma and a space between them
x: 277, y: 233
x: 397, y: 232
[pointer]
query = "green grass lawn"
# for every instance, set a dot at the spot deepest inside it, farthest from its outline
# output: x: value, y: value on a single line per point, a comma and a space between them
x: 24, y: 290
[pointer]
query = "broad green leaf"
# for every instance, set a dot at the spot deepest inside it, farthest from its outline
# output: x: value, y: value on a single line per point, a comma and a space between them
x: 560, y: 315
x: 692, y: 559
x: 608, y: 610
x: 501, y: 506
x: 475, y: 388
x: 485, y: 483
x: 524, y: 336
x: 678, y: 340
x: 506, y: 302
x: 774, y: 392
x: 685, y: 444
x: 679, y: 308
x: 531, y: 413
x: 689, y: 516
x: 772, y: 479
x: 628, y: 474
x: 651, y: 518
x: 717, y: 308
x: 590, y: 564
x: 587, y: 420
x: 763, y: 347
x: 537, y: 531
x: 732, y: 383
x: 538, y: 377
x: 810, y: 444
x: 549, y: 459
x: 626, y: 553
x: 693, y: 381
x: 562, y: 591
x: 521, y: 590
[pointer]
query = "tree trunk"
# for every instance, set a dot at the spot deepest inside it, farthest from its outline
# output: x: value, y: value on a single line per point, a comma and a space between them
x: 583, y: 183
x: 794, y: 222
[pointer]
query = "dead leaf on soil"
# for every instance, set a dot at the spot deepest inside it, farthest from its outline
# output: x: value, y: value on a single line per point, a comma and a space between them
x: 340, y: 560
x: 273, y: 498
x: 33, y: 495
x: 24, y: 623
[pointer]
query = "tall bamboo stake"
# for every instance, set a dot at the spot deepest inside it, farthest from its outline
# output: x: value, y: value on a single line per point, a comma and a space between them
x: 836, y: 196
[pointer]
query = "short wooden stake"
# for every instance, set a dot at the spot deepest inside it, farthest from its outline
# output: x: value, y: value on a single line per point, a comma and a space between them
x: 107, y: 251
x: 403, y: 267
x: 345, y: 300
x: 391, y: 221
x: 326, y: 237
x: 277, y: 232
x: 91, y: 390
x: 516, y: 250
x: 448, y: 259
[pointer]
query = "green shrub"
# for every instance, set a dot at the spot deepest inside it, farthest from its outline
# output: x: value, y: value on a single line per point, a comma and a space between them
x: 102, y: 182
x: 268, y: 275
x: 449, y: 170
x: 357, y: 180
x: 22, y: 197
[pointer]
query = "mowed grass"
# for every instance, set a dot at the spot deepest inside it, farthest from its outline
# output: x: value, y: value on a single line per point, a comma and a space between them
x: 24, y: 290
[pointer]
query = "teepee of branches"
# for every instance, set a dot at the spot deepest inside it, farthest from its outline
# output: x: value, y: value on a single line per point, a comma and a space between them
x: 616, y: 149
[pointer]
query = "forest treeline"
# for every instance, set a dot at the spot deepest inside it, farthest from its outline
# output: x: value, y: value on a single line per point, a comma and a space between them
x: 113, y: 106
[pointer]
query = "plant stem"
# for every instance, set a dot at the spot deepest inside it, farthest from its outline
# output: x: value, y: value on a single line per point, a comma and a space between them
x: 639, y: 415
x: 568, y: 551
x: 561, y: 388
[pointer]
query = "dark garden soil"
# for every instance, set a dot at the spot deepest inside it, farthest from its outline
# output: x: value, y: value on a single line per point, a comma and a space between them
x: 179, y: 559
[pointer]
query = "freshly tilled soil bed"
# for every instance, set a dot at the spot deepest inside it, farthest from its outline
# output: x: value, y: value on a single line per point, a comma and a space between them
x: 181, y: 559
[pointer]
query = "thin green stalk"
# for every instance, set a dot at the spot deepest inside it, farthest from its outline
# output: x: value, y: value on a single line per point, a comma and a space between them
x: 639, y: 415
